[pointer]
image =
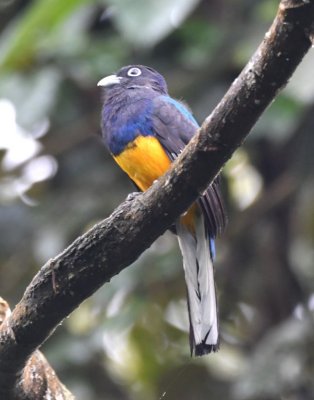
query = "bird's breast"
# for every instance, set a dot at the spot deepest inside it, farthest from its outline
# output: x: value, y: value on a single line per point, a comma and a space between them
x: 144, y: 160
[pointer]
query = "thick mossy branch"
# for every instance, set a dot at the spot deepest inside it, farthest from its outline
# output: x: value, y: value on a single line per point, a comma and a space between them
x: 94, y: 258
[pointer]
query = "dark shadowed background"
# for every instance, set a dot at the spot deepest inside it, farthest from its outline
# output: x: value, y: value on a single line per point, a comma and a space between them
x: 130, y: 340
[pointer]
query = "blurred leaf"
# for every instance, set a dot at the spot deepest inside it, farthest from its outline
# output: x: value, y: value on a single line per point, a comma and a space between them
x: 33, y: 94
x: 145, y: 23
x: 301, y: 85
x: 201, y: 39
x: 19, y: 42
x: 266, y: 9
x: 93, y: 62
x: 280, y: 364
x: 280, y: 119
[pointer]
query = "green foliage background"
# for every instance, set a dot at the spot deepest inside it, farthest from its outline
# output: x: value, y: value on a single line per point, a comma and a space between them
x: 130, y: 341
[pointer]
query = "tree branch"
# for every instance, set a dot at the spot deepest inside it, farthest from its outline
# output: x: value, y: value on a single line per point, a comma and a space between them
x: 94, y: 258
x: 38, y: 380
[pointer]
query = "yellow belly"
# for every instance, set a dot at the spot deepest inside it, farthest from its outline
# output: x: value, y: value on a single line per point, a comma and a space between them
x: 145, y: 161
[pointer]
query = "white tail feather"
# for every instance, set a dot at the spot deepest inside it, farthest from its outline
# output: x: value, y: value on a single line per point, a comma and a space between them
x: 199, y: 277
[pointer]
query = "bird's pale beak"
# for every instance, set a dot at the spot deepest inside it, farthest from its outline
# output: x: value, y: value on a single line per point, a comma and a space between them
x: 109, y: 81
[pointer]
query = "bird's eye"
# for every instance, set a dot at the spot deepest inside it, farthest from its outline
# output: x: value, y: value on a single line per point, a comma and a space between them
x: 134, y: 71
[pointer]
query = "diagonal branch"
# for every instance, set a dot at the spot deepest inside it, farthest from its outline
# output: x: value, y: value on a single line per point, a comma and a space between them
x: 113, y: 244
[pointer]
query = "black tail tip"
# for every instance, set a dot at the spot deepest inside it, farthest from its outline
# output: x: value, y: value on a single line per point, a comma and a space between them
x: 203, y: 349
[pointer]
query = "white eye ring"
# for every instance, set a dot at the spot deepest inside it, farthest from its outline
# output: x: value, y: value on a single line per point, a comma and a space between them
x: 134, y: 72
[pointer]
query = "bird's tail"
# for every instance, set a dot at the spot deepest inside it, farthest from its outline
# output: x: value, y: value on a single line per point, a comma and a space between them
x: 197, y: 250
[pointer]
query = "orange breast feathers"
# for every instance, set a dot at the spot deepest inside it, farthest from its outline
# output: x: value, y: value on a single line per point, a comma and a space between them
x: 145, y: 160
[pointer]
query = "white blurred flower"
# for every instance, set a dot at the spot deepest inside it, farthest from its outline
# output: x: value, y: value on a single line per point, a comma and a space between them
x: 21, y: 149
x: 19, y: 144
x: 39, y: 169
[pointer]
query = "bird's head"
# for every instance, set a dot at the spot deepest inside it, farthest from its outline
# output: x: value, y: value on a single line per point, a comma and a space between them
x: 135, y: 77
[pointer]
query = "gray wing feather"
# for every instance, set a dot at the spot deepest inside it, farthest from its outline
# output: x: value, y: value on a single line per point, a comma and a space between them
x: 174, y: 130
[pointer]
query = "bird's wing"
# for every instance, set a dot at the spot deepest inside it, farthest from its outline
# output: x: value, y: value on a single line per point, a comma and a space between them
x: 174, y: 126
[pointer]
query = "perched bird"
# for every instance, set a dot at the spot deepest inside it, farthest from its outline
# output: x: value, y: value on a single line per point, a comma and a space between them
x: 145, y: 130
